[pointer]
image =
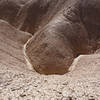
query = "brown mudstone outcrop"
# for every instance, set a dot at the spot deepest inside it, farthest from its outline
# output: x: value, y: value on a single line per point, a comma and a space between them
x: 11, y: 45
x: 62, y: 30
x: 10, y: 9
x: 67, y: 35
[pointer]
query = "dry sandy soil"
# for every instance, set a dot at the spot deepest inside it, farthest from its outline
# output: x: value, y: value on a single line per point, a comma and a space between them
x: 22, y: 29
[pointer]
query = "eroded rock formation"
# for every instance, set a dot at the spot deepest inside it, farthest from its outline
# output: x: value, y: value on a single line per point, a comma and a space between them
x: 67, y: 35
x: 62, y: 30
x: 11, y: 45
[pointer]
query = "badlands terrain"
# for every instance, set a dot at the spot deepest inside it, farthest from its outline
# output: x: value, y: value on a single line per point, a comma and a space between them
x: 49, y: 49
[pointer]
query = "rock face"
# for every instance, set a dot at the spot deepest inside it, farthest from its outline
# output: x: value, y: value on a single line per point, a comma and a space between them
x: 10, y: 9
x: 62, y: 30
x: 68, y: 34
x: 11, y: 45
x: 91, y: 11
